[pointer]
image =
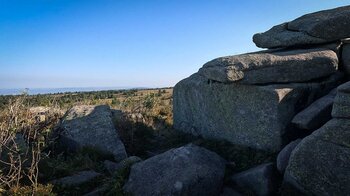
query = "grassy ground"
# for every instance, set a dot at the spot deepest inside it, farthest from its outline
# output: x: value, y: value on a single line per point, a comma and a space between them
x: 143, y: 119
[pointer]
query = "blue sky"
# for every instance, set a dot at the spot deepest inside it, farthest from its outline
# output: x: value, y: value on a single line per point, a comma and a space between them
x: 82, y: 43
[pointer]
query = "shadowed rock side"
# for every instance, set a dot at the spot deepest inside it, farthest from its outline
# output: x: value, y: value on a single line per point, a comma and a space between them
x: 317, y: 114
x: 272, y: 66
x: 248, y: 115
x: 188, y: 170
x: 341, y: 106
x: 319, y: 165
x: 315, y: 28
x: 91, y: 126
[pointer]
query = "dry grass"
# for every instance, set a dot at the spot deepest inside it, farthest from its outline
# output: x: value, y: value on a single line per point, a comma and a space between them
x: 23, y: 137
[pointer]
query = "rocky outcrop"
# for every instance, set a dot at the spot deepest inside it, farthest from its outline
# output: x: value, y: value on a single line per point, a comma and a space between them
x: 188, y: 170
x: 279, y: 66
x: 266, y: 99
x: 91, y: 126
x: 319, y: 165
x: 248, y: 115
x: 261, y: 179
x: 315, y: 28
x: 317, y: 114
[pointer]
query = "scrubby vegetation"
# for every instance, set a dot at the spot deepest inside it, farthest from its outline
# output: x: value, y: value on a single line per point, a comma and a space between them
x: 30, y: 160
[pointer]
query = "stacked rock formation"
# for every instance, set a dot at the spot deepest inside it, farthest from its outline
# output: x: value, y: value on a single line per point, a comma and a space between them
x: 266, y: 99
x: 251, y: 99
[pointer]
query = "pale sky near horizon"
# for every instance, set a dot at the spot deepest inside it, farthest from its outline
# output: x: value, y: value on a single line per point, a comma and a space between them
x: 125, y: 43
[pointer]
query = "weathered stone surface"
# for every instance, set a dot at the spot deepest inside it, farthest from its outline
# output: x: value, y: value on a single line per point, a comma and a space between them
x: 262, y: 180
x: 283, y: 156
x: 91, y: 126
x: 317, y: 114
x: 229, y: 192
x: 77, y: 179
x: 341, y: 106
x: 279, y: 36
x: 319, y: 165
x: 279, y: 66
x: 99, y: 191
x: 247, y: 115
x: 188, y: 170
x: 346, y: 58
x: 332, y: 24
x: 315, y: 28
x: 113, y: 167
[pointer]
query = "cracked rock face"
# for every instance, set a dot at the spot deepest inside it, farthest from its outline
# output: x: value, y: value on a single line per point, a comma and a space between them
x: 319, y: 165
x: 249, y: 115
x: 315, y: 28
x: 188, y: 170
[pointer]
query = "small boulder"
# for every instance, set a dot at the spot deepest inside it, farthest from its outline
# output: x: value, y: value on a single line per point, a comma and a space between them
x: 317, y: 114
x: 283, y: 156
x: 262, y: 180
x: 277, y: 66
x: 91, y: 126
x: 188, y: 170
x: 77, y: 179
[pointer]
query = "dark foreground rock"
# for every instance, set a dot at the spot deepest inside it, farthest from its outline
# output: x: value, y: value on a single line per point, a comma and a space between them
x: 284, y: 155
x: 272, y: 66
x: 229, y: 192
x: 317, y: 114
x: 319, y: 165
x: 113, y: 167
x: 188, y: 170
x: 319, y: 27
x: 248, y: 115
x: 91, y: 126
x: 77, y: 179
x: 262, y: 180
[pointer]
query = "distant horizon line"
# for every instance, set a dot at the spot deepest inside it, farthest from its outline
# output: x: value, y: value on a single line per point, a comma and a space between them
x: 53, y: 90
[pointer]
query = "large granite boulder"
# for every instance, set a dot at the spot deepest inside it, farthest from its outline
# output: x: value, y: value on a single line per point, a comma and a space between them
x: 319, y: 165
x: 272, y: 66
x: 262, y: 179
x: 188, y: 170
x: 91, y: 126
x: 250, y: 115
x: 317, y: 114
x: 341, y: 106
x: 319, y: 27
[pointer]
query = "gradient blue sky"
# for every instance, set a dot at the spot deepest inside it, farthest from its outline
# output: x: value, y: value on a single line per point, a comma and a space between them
x: 82, y: 43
